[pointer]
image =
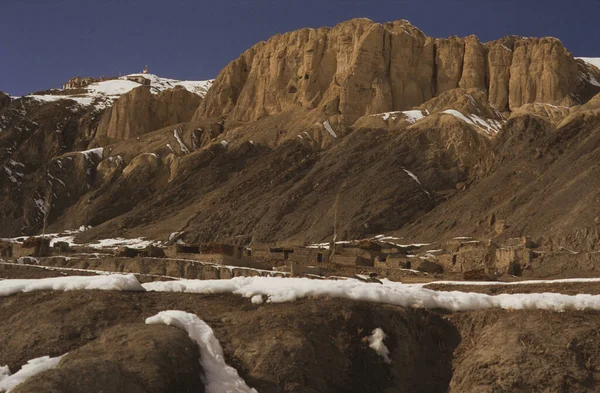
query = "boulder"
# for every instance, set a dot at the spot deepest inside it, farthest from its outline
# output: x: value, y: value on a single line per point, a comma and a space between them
x: 135, y: 358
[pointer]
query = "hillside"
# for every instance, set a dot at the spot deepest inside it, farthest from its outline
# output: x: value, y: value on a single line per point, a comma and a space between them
x: 390, y: 128
x: 361, y: 208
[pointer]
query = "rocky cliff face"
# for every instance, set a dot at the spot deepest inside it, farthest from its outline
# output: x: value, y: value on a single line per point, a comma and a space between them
x: 361, y: 67
x: 139, y: 112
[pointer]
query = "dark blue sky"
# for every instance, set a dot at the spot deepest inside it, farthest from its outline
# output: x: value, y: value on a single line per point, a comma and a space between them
x: 45, y: 42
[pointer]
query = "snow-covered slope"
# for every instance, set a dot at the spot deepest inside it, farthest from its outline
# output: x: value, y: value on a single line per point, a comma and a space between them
x: 105, y: 93
x: 159, y: 84
x: 592, y: 76
x: 595, y: 61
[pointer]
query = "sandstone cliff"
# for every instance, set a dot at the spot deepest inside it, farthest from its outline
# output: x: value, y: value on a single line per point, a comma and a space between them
x: 139, y: 112
x: 360, y: 67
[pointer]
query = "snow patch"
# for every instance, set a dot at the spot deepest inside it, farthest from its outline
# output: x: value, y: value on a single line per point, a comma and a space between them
x: 376, y: 343
x: 218, y: 376
x: 97, y: 152
x: 279, y: 290
x: 103, y: 94
x: 329, y: 129
x: 410, y: 116
x: 115, y: 282
x: 182, y: 146
x: 33, y: 367
x: 257, y: 299
x: 120, y: 242
x: 595, y: 61
x: 158, y: 84
x: 415, y: 178
x: 84, y: 101
x: 489, y: 126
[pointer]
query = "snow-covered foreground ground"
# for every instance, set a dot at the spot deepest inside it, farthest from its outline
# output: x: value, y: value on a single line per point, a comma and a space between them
x: 278, y: 290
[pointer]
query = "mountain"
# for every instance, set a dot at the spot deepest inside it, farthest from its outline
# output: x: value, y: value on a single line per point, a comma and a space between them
x: 376, y: 127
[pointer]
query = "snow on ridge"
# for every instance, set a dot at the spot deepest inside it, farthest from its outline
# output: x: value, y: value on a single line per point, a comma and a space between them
x: 218, y: 376
x: 329, y: 129
x: 103, y: 94
x: 182, y: 146
x: 416, y: 179
x: 411, y: 116
x: 595, y: 61
x: 81, y: 100
x: 489, y: 126
x: 158, y: 84
x: 280, y: 290
x: 115, y: 282
x: 137, y: 243
x: 98, y: 152
x: 33, y: 367
x: 69, y: 237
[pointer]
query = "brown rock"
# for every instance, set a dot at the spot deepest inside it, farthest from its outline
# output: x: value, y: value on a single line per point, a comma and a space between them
x: 134, y: 358
x: 411, y: 65
x: 542, y: 70
x: 449, y: 56
x: 474, y: 65
x: 360, y: 67
x: 139, y: 112
x: 499, y: 60
x: 552, y: 113
x: 4, y: 100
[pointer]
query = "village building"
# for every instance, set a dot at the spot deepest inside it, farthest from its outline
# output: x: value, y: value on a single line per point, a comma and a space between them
x: 217, y: 253
x: 77, y: 82
x: 469, y: 255
x: 32, y: 247
x: 271, y: 252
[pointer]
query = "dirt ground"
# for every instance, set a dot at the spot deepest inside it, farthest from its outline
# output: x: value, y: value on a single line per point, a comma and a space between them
x: 311, y: 345
x: 575, y: 288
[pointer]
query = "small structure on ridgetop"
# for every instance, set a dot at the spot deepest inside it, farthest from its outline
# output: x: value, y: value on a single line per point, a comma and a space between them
x: 139, y: 79
x: 145, y: 70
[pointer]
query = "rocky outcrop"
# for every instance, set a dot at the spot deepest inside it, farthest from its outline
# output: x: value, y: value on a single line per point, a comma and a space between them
x: 360, y: 67
x: 4, y: 100
x: 554, y: 114
x: 138, y: 358
x: 139, y: 112
x: 542, y: 71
